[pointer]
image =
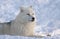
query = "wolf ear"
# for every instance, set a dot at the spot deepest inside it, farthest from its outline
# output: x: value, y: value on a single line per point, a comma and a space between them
x: 31, y: 6
x: 21, y: 9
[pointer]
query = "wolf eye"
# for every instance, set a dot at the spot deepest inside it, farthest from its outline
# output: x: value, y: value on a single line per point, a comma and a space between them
x: 28, y: 14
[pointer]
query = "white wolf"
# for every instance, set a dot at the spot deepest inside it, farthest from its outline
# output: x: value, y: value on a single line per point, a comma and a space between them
x: 23, y: 25
x: 24, y: 22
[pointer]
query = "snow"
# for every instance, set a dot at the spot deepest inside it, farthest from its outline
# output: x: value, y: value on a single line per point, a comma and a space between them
x: 47, y: 15
x: 22, y: 37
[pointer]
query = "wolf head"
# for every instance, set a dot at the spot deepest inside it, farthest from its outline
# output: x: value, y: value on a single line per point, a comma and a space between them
x: 26, y: 14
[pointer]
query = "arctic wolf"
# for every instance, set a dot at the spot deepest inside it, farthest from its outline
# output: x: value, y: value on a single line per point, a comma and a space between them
x: 24, y: 22
x: 23, y: 25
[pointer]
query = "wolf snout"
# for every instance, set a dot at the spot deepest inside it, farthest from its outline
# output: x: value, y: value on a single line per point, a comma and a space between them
x: 33, y: 18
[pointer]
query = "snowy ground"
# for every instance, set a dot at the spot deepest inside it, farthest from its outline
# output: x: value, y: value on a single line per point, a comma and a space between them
x: 47, y: 14
x: 21, y: 37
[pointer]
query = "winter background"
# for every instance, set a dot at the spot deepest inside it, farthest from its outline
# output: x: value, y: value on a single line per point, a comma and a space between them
x: 47, y: 16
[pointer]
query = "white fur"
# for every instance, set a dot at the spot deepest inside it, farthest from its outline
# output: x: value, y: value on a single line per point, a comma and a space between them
x: 23, y: 25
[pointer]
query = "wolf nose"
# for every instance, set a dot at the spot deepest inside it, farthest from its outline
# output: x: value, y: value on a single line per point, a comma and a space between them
x: 33, y: 18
